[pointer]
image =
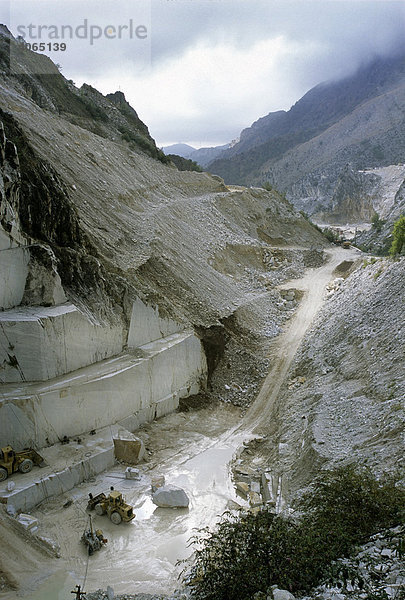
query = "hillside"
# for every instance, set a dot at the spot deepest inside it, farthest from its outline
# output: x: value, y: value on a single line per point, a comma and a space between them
x: 124, y: 283
x: 343, y: 399
x: 121, y: 227
x: 305, y: 151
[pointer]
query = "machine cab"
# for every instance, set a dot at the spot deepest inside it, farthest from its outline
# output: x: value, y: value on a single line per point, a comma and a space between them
x: 115, y: 498
x: 8, y: 454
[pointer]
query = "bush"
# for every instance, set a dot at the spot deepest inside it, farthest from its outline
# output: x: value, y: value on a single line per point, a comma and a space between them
x: 267, y: 186
x: 248, y: 553
x: 330, y: 234
x: 184, y: 164
x: 398, y: 234
x: 137, y: 140
x: 377, y: 223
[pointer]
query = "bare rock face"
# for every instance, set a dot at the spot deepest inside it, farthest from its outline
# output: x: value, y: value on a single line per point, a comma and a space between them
x: 170, y: 496
x: 10, y: 188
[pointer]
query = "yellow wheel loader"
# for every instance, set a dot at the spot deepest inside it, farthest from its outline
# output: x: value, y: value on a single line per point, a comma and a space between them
x: 113, y: 505
x: 11, y: 461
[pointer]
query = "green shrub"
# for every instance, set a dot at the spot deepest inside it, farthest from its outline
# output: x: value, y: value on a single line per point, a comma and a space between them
x: 248, y: 553
x: 330, y: 234
x: 267, y: 186
x: 137, y: 140
x: 377, y: 223
x: 398, y: 234
x: 184, y: 164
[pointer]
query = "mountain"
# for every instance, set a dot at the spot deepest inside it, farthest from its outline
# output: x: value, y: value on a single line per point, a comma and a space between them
x: 110, y: 117
x: 129, y: 289
x: 183, y: 150
x: 305, y: 152
x: 202, y: 156
x: 102, y: 214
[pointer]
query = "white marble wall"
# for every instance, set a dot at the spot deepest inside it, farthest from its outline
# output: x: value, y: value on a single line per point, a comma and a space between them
x: 40, y: 343
x: 13, y: 275
x: 147, y: 325
x: 128, y: 389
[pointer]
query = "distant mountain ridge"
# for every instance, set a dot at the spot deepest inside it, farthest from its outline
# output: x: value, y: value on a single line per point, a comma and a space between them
x: 304, y: 152
x: 183, y: 150
x: 202, y: 156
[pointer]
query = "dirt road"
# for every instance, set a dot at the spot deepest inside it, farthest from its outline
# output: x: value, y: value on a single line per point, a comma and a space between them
x: 313, y: 285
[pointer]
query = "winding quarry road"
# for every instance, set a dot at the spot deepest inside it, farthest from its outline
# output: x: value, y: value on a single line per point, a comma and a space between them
x: 142, y: 556
x: 313, y: 286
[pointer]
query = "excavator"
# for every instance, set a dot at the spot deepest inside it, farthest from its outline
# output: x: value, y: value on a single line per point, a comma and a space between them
x: 12, y: 461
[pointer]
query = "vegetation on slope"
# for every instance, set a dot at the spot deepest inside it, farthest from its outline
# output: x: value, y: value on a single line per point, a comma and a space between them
x: 398, y: 234
x: 184, y: 164
x: 250, y: 552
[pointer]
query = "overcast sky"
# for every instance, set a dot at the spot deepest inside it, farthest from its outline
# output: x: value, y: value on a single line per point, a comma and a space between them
x: 199, y: 71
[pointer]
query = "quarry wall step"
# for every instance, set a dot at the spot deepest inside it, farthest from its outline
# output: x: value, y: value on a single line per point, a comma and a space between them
x: 130, y: 389
x: 13, y: 275
x: 40, y: 343
x: 67, y: 465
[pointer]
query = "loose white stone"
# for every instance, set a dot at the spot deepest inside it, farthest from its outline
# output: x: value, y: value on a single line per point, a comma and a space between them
x: 170, y: 496
x: 282, y: 594
x: 131, y: 473
x: 27, y: 521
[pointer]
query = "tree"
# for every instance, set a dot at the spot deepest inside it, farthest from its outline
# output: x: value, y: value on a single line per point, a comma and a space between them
x: 376, y: 222
x: 398, y: 234
x: 249, y: 552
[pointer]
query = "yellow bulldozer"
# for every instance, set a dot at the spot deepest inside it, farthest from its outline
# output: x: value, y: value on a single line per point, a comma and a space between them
x: 11, y: 461
x: 113, y: 505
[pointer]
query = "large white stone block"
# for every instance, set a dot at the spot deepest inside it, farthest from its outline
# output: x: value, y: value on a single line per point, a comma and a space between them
x: 170, y: 496
x: 13, y: 275
x: 147, y: 325
x: 40, y: 343
x: 128, y: 448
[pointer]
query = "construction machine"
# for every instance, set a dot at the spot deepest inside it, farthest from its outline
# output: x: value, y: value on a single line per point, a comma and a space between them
x: 113, y: 505
x: 11, y: 461
x: 93, y: 538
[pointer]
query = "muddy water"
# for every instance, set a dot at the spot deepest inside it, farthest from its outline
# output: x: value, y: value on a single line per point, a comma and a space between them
x: 192, y: 452
x: 57, y: 587
x: 142, y: 556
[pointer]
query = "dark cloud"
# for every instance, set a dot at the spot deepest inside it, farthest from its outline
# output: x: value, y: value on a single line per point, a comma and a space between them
x: 211, y: 67
x: 355, y: 26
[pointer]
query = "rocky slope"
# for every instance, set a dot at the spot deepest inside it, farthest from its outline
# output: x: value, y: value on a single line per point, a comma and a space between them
x: 344, y: 400
x: 305, y: 151
x: 389, y: 203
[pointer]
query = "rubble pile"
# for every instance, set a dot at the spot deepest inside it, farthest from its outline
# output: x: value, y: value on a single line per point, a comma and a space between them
x: 376, y: 571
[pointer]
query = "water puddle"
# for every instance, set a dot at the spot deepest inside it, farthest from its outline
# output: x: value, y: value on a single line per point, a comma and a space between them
x: 57, y: 587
